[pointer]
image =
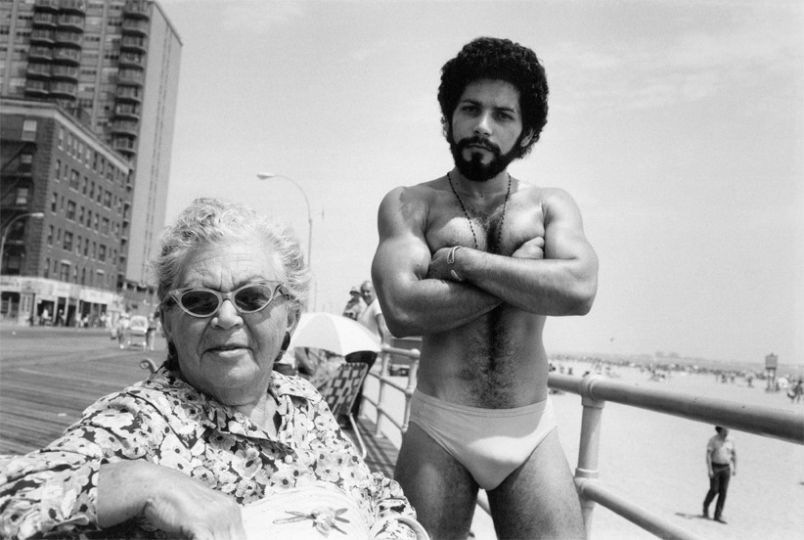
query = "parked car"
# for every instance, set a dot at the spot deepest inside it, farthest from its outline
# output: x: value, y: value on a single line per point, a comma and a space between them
x: 137, y: 330
x: 398, y: 370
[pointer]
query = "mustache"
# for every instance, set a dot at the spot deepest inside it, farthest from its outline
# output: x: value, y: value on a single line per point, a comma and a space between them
x: 481, y: 142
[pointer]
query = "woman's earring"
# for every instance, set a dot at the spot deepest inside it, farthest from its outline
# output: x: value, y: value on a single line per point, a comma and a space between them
x: 286, y: 341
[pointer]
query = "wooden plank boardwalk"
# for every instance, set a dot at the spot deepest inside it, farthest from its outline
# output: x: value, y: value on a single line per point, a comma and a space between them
x: 49, y: 376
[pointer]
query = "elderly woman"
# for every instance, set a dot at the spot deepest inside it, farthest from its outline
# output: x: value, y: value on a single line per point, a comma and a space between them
x: 215, y: 428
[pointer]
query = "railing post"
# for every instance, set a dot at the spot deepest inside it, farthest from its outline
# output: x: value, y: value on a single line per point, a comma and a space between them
x: 412, y: 376
x: 589, y: 449
x: 385, y: 358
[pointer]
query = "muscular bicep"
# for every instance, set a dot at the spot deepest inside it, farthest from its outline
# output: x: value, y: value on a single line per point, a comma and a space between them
x: 402, y: 254
x: 564, y: 238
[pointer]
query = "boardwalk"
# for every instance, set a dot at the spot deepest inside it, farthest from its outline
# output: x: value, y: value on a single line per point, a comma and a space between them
x: 49, y: 375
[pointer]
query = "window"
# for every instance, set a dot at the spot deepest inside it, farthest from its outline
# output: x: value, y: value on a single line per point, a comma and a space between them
x: 22, y: 196
x: 78, y: 245
x: 50, y: 235
x: 26, y: 162
x: 71, y: 210
x: 29, y: 130
x: 54, y: 202
x: 46, y: 268
x: 74, y: 179
x: 64, y: 271
x: 102, y: 252
x: 86, y: 184
x: 61, y: 138
x: 107, y: 199
x: 81, y: 215
x: 68, y: 241
x: 92, y: 190
x: 58, y: 170
x: 104, y: 225
x: 89, y: 218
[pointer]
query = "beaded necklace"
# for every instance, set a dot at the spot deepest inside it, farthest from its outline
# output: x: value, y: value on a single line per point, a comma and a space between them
x: 469, y: 219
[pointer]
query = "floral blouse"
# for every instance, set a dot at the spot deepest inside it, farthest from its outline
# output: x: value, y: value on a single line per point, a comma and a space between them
x: 166, y: 421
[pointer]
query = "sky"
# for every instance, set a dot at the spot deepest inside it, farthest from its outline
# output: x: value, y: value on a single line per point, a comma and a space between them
x: 677, y: 126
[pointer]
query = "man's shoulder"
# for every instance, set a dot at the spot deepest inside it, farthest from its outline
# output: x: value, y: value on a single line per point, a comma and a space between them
x: 422, y: 190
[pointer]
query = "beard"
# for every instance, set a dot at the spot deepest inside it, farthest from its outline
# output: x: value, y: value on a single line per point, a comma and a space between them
x: 473, y: 168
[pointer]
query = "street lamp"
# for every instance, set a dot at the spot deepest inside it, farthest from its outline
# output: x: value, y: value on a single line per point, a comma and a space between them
x: 268, y: 176
x: 35, y: 215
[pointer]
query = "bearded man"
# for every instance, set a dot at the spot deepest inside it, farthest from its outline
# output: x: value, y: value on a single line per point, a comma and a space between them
x: 474, y: 261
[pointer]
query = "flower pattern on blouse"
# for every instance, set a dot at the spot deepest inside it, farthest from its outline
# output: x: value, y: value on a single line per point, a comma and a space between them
x: 166, y: 421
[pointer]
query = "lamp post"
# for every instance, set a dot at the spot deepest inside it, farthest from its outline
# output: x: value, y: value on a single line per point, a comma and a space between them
x: 35, y: 215
x: 268, y: 176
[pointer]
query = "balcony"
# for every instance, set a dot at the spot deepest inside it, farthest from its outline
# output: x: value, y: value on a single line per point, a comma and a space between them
x: 125, y: 127
x: 137, y: 9
x: 47, y: 5
x: 130, y: 77
x: 128, y: 93
x: 135, y: 27
x: 125, y: 146
x: 38, y: 71
x: 69, y: 38
x: 69, y: 21
x: 73, y: 6
x: 64, y: 90
x: 131, y: 60
x: 43, y: 19
x: 42, y: 36
x: 65, y: 72
x: 68, y: 55
x: 133, y: 43
x: 36, y: 89
x: 39, y: 52
x: 124, y: 111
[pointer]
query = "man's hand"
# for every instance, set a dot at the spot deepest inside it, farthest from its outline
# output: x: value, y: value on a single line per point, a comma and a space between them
x: 531, y: 249
x: 439, y: 267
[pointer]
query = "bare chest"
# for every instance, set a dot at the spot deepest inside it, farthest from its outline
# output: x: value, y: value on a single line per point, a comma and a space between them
x: 499, y: 227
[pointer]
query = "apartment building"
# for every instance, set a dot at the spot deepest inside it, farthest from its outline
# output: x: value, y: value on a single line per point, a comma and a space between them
x: 105, y: 73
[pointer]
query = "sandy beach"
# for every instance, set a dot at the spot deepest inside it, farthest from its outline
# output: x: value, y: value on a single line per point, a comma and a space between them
x: 657, y: 461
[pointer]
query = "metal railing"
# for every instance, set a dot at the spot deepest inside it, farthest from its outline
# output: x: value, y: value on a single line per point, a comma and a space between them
x: 385, y: 382
x: 595, y: 391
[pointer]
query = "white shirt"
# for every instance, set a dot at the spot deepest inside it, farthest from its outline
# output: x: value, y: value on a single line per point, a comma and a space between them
x: 369, y: 318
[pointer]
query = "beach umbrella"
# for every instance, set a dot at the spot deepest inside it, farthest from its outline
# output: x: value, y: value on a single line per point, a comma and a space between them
x: 334, y: 333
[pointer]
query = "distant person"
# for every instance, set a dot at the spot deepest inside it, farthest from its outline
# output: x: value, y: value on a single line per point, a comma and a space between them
x: 123, y: 325
x: 150, y: 333
x: 721, y: 462
x: 475, y: 261
x: 355, y: 305
x: 45, y: 319
x: 371, y: 317
x: 796, y: 392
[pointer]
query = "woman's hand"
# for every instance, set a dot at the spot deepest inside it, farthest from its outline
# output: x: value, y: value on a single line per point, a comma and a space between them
x: 168, y: 500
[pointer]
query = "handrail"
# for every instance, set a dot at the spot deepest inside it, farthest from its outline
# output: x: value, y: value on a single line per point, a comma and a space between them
x: 765, y: 421
x: 384, y: 381
x: 593, y: 491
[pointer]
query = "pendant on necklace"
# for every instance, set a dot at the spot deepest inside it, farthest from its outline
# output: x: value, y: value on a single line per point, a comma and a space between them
x: 498, y: 237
